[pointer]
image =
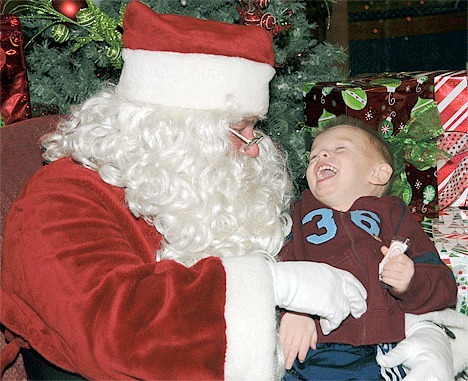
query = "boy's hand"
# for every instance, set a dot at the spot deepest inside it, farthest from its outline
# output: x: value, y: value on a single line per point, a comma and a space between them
x: 298, y: 334
x: 398, y: 271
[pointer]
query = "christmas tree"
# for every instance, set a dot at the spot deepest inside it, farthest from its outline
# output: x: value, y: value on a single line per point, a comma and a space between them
x: 73, y: 48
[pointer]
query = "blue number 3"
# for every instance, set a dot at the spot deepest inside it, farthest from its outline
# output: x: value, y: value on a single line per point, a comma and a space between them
x: 326, y: 221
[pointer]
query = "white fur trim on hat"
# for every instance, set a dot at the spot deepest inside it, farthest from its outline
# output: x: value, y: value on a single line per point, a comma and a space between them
x: 196, y: 81
x: 250, y: 319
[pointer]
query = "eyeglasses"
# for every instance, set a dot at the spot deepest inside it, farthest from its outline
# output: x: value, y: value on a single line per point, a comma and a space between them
x: 249, y: 142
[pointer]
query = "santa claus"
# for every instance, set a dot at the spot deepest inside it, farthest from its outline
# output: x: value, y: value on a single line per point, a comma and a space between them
x: 145, y: 248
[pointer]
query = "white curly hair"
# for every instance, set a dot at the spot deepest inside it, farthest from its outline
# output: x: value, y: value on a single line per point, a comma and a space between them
x: 181, y: 173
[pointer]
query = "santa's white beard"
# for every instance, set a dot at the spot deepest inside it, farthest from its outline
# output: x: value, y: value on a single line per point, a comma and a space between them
x: 211, y: 202
x: 181, y: 174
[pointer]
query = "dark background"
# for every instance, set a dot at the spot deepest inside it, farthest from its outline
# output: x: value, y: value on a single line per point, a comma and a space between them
x: 393, y: 36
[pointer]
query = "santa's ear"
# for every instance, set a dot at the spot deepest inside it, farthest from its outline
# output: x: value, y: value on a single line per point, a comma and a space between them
x: 381, y: 174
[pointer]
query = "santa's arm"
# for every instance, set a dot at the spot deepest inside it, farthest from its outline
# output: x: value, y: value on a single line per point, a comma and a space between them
x: 80, y: 284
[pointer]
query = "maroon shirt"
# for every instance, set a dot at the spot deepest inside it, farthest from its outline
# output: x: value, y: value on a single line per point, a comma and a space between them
x: 345, y: 240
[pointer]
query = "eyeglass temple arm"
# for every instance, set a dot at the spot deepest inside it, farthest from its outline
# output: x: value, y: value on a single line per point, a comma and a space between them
x: 241, y: 137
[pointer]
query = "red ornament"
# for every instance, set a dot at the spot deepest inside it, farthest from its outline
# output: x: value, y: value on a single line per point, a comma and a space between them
x: 268, y: 21
x: 252, y: 18
x: 263, y: 3
x: 69, y: 8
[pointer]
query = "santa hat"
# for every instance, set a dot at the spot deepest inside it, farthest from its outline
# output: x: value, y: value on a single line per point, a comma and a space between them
x: 185, y: 62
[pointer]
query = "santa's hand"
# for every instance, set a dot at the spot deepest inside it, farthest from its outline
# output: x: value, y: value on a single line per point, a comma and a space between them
x: 425, y: 354
x: 318, y: 289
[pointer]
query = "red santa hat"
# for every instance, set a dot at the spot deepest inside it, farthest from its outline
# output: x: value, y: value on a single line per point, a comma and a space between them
x: 185, y: 62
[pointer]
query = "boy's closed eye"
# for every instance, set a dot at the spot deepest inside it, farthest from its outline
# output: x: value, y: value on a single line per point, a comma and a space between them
x: 312, y: 159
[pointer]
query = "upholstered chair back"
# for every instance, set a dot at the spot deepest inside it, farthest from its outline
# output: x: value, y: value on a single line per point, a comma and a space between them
x: 20, y: 158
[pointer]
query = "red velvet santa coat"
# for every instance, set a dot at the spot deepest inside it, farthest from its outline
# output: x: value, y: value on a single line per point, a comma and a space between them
x: 80, y: 283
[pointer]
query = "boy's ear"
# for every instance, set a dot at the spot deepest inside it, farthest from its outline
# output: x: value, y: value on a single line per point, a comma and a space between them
x: 381, y: 174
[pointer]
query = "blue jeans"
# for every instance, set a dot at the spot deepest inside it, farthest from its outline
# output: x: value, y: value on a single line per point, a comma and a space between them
x: 343, y: 362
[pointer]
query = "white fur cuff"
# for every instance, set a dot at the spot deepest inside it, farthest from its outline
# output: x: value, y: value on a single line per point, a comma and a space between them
x: 250, y: 319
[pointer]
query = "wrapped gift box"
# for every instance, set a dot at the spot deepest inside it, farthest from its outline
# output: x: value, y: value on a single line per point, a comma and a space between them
x: 14, y: 93
x: 451, y: 94
x: 450, y: 235
x: 390, y: 103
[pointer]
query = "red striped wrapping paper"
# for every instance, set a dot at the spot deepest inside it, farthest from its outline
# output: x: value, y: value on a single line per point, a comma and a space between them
x: 451, y: 94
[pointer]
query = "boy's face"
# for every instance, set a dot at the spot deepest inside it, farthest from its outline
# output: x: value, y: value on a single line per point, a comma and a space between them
x: 343, y: 167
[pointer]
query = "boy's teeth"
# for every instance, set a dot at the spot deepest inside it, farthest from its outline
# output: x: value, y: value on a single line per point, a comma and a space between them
x: 326, y: 171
